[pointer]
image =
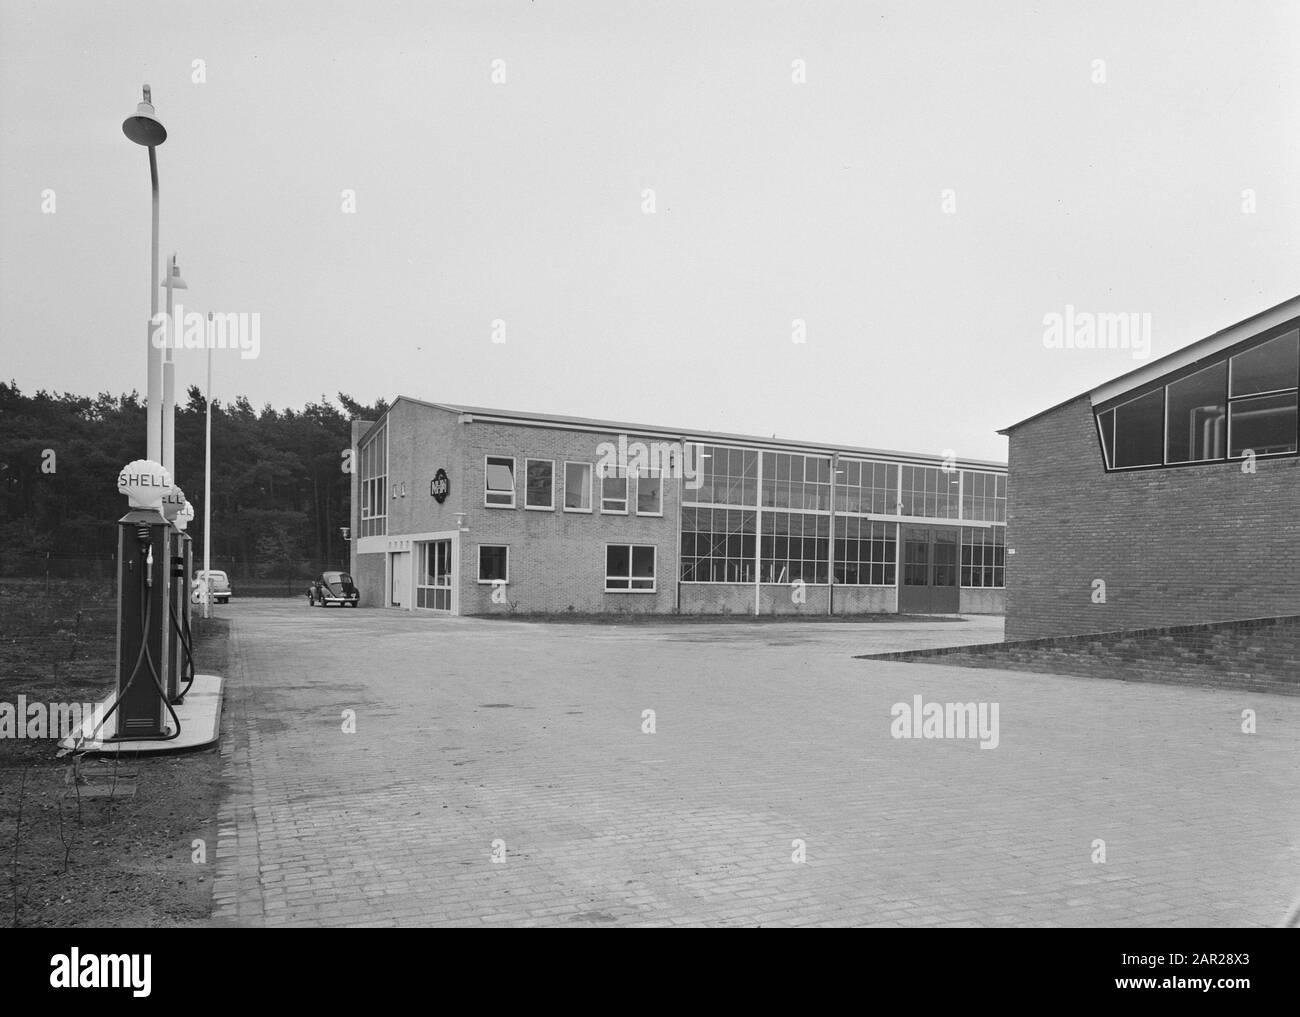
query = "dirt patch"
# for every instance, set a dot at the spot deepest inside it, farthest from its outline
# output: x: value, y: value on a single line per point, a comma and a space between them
x: 134, y: 843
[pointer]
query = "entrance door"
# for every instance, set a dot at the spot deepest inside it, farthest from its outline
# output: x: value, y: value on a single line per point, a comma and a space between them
x: 434, y: 583
x: 401, y: 576
x: 929, y: 583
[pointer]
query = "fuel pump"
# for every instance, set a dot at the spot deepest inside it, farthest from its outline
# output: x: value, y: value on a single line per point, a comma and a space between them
x: 181, y: 658
x: 144, y: 644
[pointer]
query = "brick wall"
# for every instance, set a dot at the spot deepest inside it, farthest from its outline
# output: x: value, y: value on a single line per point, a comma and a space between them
x: 1259, y: 655
x: 1174, y: 546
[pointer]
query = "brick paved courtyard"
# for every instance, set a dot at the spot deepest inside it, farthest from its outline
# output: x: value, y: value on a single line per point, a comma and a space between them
x: 470, y: 732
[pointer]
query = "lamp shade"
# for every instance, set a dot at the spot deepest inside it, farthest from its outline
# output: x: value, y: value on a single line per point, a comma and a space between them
x: 144, y: 128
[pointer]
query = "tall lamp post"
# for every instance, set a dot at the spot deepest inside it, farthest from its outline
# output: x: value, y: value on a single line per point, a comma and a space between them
x: 144, y: 128
x: 174, y: 282
x: 207, y: 479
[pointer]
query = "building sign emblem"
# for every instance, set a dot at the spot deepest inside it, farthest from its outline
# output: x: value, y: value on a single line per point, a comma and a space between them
x: 440, y: 486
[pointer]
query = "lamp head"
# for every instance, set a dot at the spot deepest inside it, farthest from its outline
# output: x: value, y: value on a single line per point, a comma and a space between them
x: 173, y: 278
x: 144, y: 128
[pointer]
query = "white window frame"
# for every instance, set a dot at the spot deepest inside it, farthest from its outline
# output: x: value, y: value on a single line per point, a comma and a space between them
x: 591, y: 472
x: 539, y: 508
x: 479, y: 573
x: 636, y: 503
x: 631, y: 549
x: 626, y: 492
x: 514, y: 483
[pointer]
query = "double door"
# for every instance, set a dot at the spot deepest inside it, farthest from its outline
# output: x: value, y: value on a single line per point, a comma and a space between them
x: 930, y: 578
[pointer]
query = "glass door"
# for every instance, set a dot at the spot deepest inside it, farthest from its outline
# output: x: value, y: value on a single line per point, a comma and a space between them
x: 433, y: 590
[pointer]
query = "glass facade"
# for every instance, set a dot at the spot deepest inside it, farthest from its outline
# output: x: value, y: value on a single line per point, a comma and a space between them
x: 765, y: 516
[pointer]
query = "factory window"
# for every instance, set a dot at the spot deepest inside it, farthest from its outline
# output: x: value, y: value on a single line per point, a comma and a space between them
x: 1196, y: 416
x: 983, y: 553
x: 493, y: 563
x: 794, y: 545
x: 866, y: 487
x: 629, y: 568
x: 929, y: 491
x: 577, y: 487
x: 866, y: 552
x: 798, y: 482
x: 724, y: 476
x: 984, y: 496
x: 718, y: 545
x: 539, y: 484
x: 499, y: 482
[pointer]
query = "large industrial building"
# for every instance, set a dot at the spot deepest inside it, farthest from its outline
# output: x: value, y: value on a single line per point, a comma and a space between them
x: 463, y: 510
x: 1169, y: 496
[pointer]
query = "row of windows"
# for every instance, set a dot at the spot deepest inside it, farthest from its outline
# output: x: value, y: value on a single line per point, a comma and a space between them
x: 802, y: 483
x: 1240, y: 405
x: 372, y: 471
x: 792, y: 548
x: 644, y: 492
x: 629, y: 568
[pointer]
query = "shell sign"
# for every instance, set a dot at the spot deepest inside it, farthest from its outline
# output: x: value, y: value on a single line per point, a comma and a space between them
x: 184, y: 516
x: 145, y: 483
x: 172, y: 503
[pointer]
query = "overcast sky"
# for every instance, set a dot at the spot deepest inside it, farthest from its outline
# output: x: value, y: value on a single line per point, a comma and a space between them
x: 1119, y: 186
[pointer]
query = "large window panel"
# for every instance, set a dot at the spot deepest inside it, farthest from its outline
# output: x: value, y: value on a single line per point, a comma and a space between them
x: 1140, y: 431
x: 1196, y: 416
x: 1264, y: 425
x: 1272, y: 366
x: 866, y: 552
x: 794, y: 546
x: 718, y: 545
x: 727, y: 476
x: 983, y: 557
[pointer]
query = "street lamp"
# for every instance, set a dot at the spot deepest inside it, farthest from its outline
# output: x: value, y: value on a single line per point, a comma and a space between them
x: 144, y: 128
x: 174, y: 282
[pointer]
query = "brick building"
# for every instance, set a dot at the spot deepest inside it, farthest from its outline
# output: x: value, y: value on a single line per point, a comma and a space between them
x: 1177, y: 486
x: 466, y: 510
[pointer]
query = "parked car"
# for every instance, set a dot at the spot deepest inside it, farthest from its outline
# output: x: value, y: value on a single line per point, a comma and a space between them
x: 333, y: 588
x: 218, y: 585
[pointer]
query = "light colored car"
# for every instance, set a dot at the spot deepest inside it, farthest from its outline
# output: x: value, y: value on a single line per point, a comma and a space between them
x: 218, y: 584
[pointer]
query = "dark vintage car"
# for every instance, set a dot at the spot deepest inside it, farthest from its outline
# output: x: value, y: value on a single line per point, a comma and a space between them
x: 333, y: 588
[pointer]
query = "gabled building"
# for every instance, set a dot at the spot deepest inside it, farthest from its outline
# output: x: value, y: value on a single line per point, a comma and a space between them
x: 1168, y: 496
x: 465, y: 510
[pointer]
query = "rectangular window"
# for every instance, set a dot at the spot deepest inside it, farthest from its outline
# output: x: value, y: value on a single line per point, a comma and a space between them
x: 725, y: 476
x: 493, y: 563
x: 984, y: 496
x: 577, y: 487
x: 798, y: 482
x: 866, y: 552
x: 867, y: 487
x: 373, y: 484
x: 983, y: 553
x: 930, y: 491
x: 629, y: 568
x: 1264, y: 425
x: 718, y: 545
x: 794, y: 545
x: 649, y: 493
x: 613, y: 494
x: 1269, y: 367
x: 499, y: 482
x: 1196, y: 424
x: 539, y: 484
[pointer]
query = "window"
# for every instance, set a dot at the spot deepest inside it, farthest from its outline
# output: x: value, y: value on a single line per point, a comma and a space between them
x: 613, y: 493
x: 1196, y: 417
x: 726, y: 476
x: 984, y: 496
x: 866, y: 487
x: 493, y: 563
x: 499, y: 482
x: 1238, y: 404
x: 866, y: 552
x: 433, y: 580
x: 983, y: 556
x: 1139, y: 431
x: 718, y: 545
x: 539, y: 484
x: 794, y: 545
x: 373, y: 484
x: 649, y: 493
x: 796, y: 482
x: 577, y: 487
x: 929, y: 491
x: 629, y: 568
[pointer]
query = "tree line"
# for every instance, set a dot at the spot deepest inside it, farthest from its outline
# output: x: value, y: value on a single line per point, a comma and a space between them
x: 279, y: 493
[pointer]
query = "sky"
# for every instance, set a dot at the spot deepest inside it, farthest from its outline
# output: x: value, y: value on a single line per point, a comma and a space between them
x: 840, y: 222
